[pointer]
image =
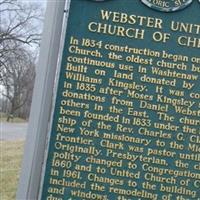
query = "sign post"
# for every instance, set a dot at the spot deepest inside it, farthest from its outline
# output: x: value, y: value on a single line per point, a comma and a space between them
x: 42, y: 101
x: 126, y: 116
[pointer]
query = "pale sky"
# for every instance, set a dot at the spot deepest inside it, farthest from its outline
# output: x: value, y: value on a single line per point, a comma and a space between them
x: 43, y: 2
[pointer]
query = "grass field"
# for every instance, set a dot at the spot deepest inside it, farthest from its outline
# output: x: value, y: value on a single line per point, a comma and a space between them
x: 3, y: 118
x: 10, y: 163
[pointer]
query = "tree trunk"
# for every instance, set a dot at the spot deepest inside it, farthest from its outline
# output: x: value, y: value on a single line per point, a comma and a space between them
x: 11, y: 113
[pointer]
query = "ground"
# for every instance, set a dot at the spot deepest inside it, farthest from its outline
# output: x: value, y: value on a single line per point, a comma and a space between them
x: 12, y: 131
x: 10, y: 165
x: 3, y: 118
x: 12, y: 137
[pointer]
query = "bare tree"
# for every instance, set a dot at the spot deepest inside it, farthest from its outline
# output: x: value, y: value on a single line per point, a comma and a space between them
x: 20, y: 30
x: 20, y: 23
x: 18, y: 79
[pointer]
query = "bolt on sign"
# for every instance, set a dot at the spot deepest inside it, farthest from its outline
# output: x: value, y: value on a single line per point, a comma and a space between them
x: 126, y: 120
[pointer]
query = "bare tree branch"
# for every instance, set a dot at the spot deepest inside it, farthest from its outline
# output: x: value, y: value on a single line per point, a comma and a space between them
x: 20, y: 31
x: 21, y: 24
x: 18, y: 79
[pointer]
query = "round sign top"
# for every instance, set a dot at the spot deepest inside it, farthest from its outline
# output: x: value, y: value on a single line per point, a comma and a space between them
x: 167, y: 5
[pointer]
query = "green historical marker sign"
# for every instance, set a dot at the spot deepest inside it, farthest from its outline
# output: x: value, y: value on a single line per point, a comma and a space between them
x: 126, y: 122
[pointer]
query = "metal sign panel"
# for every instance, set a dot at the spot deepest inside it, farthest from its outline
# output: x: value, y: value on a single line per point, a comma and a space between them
x: 126, y: 117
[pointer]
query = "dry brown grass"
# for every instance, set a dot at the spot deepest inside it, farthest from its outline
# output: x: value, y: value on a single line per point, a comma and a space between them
x: 10, y: 163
